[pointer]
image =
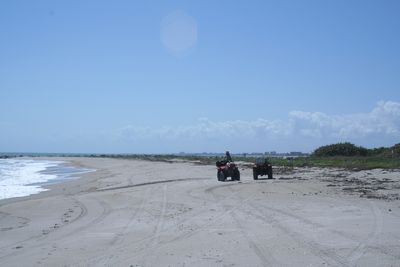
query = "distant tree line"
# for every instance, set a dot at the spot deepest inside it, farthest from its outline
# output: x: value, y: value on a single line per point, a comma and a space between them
x: 350, y: 150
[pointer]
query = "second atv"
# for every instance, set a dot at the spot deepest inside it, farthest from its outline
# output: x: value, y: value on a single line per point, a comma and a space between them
x: 262, y: 167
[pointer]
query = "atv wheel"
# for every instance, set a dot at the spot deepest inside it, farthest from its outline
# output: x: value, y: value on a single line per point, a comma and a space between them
x: 270, y: 174
x: 255, y: 175
x: 221, y: 176
x: 237, y: 175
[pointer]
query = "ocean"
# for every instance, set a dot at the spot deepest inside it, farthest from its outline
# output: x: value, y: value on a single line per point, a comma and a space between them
x: 23, y: 177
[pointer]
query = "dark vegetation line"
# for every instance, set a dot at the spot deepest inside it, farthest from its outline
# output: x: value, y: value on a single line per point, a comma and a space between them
x: 342, y: 155
x: 350, y: 150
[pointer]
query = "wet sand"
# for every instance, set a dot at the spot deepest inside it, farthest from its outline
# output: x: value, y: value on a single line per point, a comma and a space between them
x: 141, y: 213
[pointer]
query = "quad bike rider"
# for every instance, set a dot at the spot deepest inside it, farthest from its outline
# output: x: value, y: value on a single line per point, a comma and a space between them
x: 227, y: 168
x: 262, y: 167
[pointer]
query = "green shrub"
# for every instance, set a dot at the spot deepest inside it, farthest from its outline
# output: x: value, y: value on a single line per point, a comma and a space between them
x: 340, y: 149
x: 396, y: 149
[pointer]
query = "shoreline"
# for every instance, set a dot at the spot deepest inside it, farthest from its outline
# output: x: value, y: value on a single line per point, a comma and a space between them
x: 30, y: 176
x: 135, y: 212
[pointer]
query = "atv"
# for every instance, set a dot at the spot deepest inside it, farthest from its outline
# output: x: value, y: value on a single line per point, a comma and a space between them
x: 227, y: 168
x: 262, y: 167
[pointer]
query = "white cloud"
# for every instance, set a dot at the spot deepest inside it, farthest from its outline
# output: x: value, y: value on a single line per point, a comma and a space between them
x: 205, y: 128
x: 383, y: 120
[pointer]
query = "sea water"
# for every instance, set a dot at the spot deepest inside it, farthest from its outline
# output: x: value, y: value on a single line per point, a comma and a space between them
x: 24, y: 177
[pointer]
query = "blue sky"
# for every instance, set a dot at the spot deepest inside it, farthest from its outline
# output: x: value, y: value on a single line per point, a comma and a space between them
x: 194, y: 76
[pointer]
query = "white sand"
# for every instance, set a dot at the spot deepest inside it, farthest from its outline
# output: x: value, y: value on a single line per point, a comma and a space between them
x: 117, y: 216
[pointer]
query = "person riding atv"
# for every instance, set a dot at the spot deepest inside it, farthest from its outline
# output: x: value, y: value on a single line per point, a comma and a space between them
x: 228, y: 156
x: 227, y: 168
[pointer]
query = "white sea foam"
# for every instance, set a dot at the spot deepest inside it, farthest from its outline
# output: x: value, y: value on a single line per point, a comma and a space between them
x: 23, y: 177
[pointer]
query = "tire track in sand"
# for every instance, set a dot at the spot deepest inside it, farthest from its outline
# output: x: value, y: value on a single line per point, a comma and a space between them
x: 359, y: 250
x: 145, y: 243
x: 153, y: 241
x: 139, y: 251
x: 265, y: 257
x: 118, y: 240
x: 312, y: 246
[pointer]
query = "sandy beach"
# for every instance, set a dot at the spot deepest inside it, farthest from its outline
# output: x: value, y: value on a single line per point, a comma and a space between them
x: 142, y: 213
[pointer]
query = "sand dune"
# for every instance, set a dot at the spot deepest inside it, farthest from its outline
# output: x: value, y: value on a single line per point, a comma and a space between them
x: 139, y: 213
